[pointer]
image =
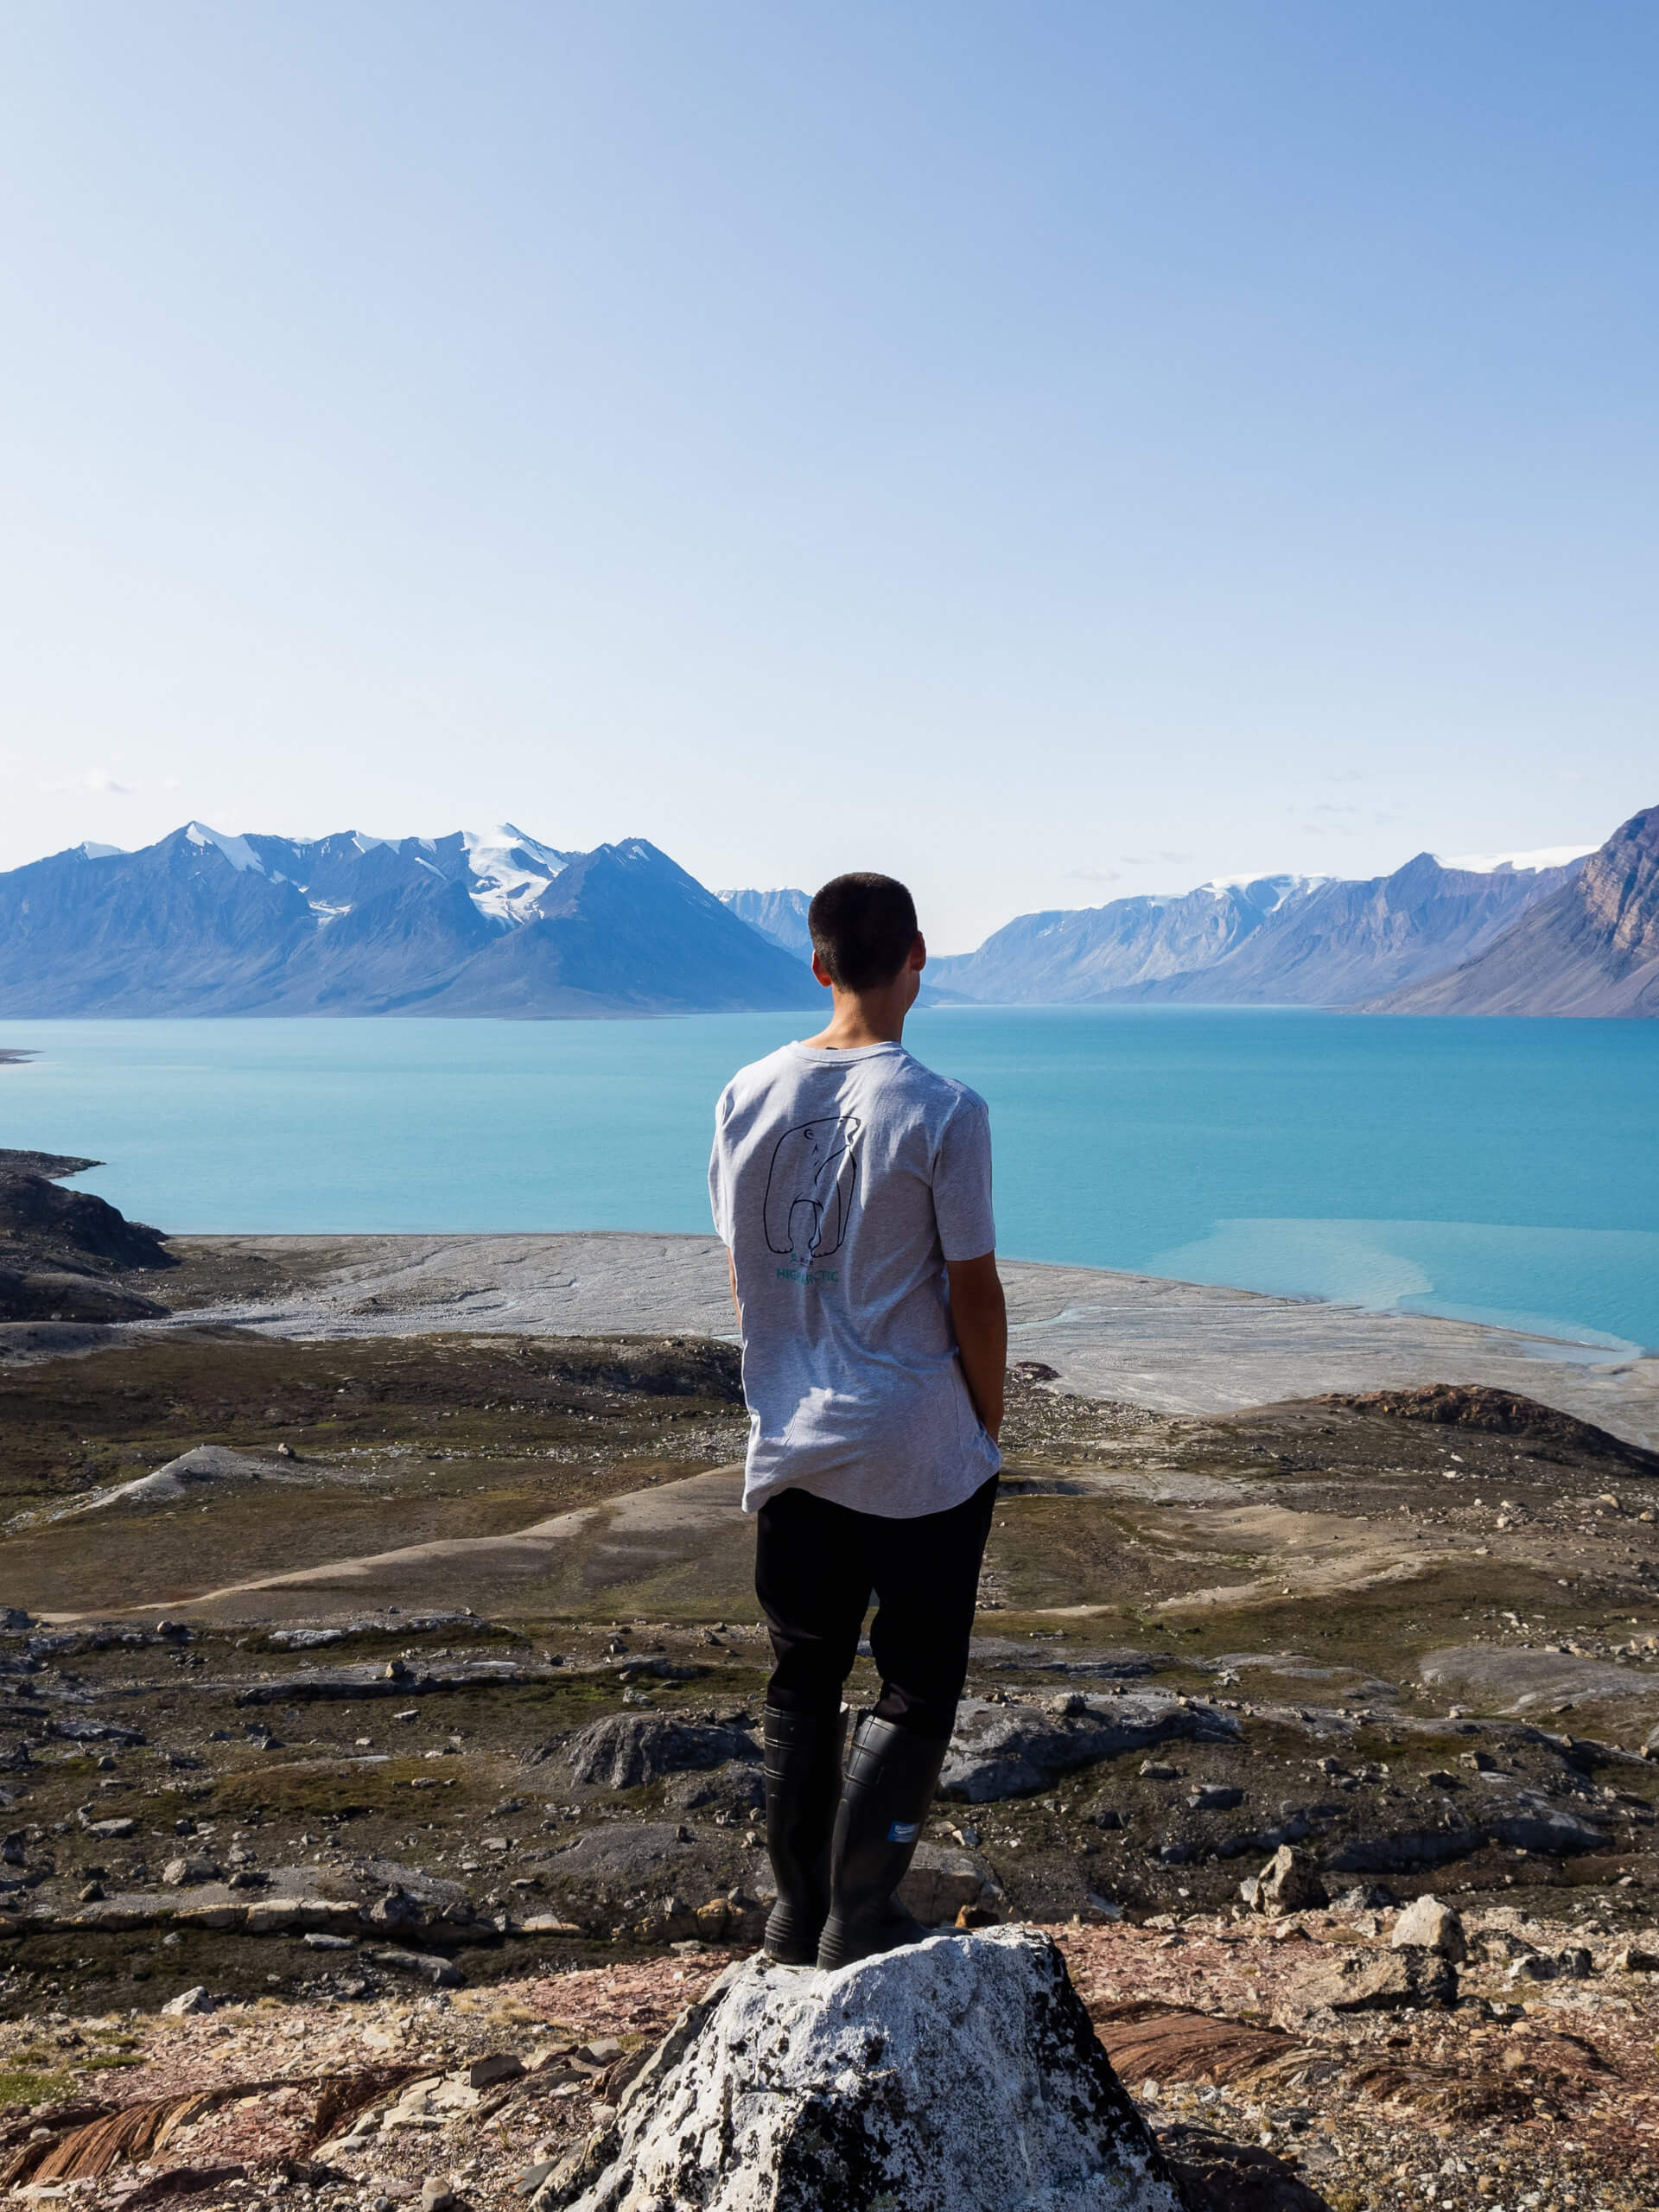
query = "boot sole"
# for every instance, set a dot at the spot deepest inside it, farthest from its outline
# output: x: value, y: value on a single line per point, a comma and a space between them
x: 789, y: 1946
x: 841, y: 1947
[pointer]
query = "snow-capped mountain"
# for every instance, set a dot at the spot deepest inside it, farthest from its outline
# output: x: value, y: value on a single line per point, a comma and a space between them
x: 1270, y: 940
x: 491, y: 922
x: 780, y: 915
x: 1590, y: 948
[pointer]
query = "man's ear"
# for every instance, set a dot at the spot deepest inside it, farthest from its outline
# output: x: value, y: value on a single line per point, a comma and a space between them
x: 821, y: 973
x: 919, y: 953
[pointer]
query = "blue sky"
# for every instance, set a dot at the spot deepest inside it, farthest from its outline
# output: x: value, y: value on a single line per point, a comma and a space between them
x: 1048, y: 452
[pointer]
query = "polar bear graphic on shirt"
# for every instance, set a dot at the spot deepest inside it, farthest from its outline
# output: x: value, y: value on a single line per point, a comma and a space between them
x: 810, y: 1188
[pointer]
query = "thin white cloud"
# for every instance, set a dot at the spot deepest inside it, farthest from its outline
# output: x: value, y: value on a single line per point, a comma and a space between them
x: 97, y: 780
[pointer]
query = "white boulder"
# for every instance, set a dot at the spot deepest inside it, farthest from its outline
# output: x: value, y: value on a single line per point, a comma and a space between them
x: 1433, y: 1925
x: 960, y: 2076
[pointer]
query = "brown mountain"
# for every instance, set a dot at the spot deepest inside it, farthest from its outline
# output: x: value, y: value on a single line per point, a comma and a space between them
x: 1590, y: 948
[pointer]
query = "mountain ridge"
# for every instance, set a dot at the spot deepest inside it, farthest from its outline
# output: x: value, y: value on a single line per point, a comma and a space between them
x: 1270, y: 940
x: 780, y: 915
x: 1590, y: 949
x: 498, y: 924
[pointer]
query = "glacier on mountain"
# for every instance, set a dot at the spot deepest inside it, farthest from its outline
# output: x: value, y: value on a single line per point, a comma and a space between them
x: 478, y: 922
x: 237, y: 850
x: 511, y: 871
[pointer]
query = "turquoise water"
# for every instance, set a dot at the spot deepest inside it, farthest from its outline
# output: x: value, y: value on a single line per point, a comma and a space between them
x: 1499, y: 1171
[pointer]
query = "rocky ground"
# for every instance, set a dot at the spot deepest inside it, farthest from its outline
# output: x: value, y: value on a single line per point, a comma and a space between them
x: 1257, y: 2062
x: 401, y: 1694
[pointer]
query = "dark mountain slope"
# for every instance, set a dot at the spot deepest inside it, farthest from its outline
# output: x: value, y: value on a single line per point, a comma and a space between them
x: 1590, y: 948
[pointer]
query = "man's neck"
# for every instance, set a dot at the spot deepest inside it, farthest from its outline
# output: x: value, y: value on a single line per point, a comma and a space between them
x: 864, y: 1018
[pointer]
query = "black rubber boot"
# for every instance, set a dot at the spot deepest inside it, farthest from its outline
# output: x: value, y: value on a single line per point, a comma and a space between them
x: 803, y: 1785
x: 889, y: 1785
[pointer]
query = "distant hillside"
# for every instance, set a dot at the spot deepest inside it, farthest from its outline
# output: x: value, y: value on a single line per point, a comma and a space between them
x: 780, y: 915
x: 1590, y: 948
x: 1099, y: 952
x: 498, y: 924
x: 1275, y: 940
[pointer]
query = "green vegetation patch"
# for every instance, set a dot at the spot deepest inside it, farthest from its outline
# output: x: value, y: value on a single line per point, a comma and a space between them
x: 19, y: 2085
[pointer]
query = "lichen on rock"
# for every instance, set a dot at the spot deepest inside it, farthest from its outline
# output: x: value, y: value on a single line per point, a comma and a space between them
x: 961, y: 2075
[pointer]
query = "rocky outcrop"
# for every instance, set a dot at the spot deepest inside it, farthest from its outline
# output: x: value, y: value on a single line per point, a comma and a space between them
x: 1543, y: 1429
x: 59, y: 1249
x: 1013, y: 1751
x: 962, y: 2073
x: 626, y: 1749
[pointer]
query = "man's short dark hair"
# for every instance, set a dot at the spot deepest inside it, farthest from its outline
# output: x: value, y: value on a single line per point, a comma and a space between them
x: 863, y: 929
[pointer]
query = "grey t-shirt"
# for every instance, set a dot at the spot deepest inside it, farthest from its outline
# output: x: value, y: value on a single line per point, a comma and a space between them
x: 841, y: 1182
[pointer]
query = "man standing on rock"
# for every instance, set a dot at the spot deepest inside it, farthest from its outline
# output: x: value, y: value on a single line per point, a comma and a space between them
x: 852, y: 1189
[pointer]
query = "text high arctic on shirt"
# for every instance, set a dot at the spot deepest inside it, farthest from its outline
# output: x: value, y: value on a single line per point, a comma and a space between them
x: 841, y: 1182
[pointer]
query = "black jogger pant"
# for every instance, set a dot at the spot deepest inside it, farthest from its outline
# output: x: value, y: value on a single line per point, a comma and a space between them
x: 816, y: 1564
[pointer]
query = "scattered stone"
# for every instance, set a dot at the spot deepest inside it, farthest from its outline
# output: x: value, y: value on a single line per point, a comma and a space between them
x: 189, y: 2001
x: 1380, y: 1981
x: 962, y: 2071
x: 318, y: 1940
x: 1432, y: 1925
x: 501, y: 2066
x: 1214, y: 1797
x: 1366, y: 1896
x: 440, y: 1972
x: 1633, y: 1960
x: 183, y: 1873
x: 436, y: 2194
x: 1533, y: 1966
x: 396, y: 1908
x: 1289, y: 1882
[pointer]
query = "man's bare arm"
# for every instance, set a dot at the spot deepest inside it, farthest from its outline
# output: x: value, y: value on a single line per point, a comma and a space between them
x: 981, y: 1316
x: 737, y: 1303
